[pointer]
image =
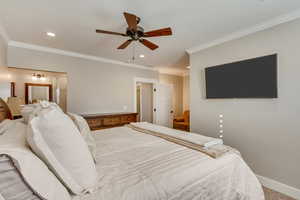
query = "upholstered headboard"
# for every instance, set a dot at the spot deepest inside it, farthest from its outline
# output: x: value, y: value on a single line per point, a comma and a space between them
x: 5, y: 112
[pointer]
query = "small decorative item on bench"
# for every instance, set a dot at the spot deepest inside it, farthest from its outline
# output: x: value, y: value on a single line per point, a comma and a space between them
x: 109, y: 120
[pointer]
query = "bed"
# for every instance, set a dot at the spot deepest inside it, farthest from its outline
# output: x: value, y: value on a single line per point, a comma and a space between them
x: 134, y: 166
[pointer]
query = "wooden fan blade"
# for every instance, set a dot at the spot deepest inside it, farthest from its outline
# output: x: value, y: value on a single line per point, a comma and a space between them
x: 125, y: 44
x: 148, y: 44
x: 131, y: 20
x: 110, y: 32
x: 159, y: 32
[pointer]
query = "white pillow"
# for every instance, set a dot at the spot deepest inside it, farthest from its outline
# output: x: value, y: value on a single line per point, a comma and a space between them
x: 5, y: 125
x: 34, y: 172
x: 85, y: 131
x: 55, y: 139
x: 29, y: 110
x: 26, y: 111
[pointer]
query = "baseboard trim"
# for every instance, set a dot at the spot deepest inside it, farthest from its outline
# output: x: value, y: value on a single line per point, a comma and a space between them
x: 279, y: 187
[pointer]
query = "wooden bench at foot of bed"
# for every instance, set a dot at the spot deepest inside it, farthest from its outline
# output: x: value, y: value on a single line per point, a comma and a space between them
x: 109, y: 120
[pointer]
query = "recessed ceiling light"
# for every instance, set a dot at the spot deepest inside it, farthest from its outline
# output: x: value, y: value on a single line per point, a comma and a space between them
x: 142, y: 56
x: 50, y: 34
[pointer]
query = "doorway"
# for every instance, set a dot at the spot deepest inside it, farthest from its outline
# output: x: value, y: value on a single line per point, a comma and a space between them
x: 155, y: 106
x: 30, y: 86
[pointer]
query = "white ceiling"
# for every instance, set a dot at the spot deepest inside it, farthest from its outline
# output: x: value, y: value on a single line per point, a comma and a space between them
x: 194, y: 22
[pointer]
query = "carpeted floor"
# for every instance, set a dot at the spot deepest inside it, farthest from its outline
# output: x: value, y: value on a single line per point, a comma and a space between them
x: 272, y: 195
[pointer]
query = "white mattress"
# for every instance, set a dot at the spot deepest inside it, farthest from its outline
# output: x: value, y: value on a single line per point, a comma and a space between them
x: 137, y: 166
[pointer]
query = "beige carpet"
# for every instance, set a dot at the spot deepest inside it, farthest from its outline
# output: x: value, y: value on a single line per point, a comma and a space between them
x: 272, y: 195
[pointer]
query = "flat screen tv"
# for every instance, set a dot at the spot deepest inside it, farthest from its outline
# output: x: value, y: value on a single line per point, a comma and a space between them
x: 253, y: 78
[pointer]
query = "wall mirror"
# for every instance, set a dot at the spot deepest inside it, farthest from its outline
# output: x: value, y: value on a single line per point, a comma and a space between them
x: 37, y: 92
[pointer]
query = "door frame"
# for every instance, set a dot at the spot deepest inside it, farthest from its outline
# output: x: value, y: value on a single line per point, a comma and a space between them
x: 144, y: 80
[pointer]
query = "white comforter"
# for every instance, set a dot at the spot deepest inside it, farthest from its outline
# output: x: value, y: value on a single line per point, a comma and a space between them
x: 137, y: 166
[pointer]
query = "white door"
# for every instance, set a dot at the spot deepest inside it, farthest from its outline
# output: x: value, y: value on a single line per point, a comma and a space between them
x: 163, y: 105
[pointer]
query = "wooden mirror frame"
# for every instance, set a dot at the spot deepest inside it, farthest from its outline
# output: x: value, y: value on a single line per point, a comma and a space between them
x: 13, y: 89
x: 37, y: 84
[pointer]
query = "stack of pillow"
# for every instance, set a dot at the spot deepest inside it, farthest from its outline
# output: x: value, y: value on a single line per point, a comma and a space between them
x: 47, y: 139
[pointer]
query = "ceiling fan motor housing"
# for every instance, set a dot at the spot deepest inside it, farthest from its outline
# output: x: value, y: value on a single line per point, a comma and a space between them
x: 135, y: 35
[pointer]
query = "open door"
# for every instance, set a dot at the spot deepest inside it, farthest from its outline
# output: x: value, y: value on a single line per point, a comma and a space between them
x: 163, y: 113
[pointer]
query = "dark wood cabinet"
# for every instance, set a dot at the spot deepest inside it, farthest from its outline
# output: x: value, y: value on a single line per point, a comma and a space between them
x: 109, y: 120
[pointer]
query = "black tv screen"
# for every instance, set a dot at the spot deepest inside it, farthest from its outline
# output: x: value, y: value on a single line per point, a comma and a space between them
x: 253, y: 78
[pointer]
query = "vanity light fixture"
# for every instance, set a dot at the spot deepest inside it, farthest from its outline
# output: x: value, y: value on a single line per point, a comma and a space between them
x: 34, y: 77
x: 142, y: 56
x: 50, y: 34
x: 38, y: 77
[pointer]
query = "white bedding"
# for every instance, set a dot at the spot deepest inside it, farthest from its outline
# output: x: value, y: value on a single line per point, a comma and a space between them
x: 137, y: 166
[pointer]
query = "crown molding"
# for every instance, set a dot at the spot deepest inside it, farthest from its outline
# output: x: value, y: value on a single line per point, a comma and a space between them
x: 4, y: 34
x: 239, y: 34
x: 74, y: 54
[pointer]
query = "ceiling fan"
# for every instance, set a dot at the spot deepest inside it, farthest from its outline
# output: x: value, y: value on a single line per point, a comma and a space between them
x: 136, y: 33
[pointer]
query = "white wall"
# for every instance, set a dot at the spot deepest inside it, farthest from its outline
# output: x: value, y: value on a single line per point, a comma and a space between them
x: 5, y: 90
x: 4, y: 75
x: 3, y: 60
x: 266, y: 131
x: 93, y: 86
x: 3, y: 52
